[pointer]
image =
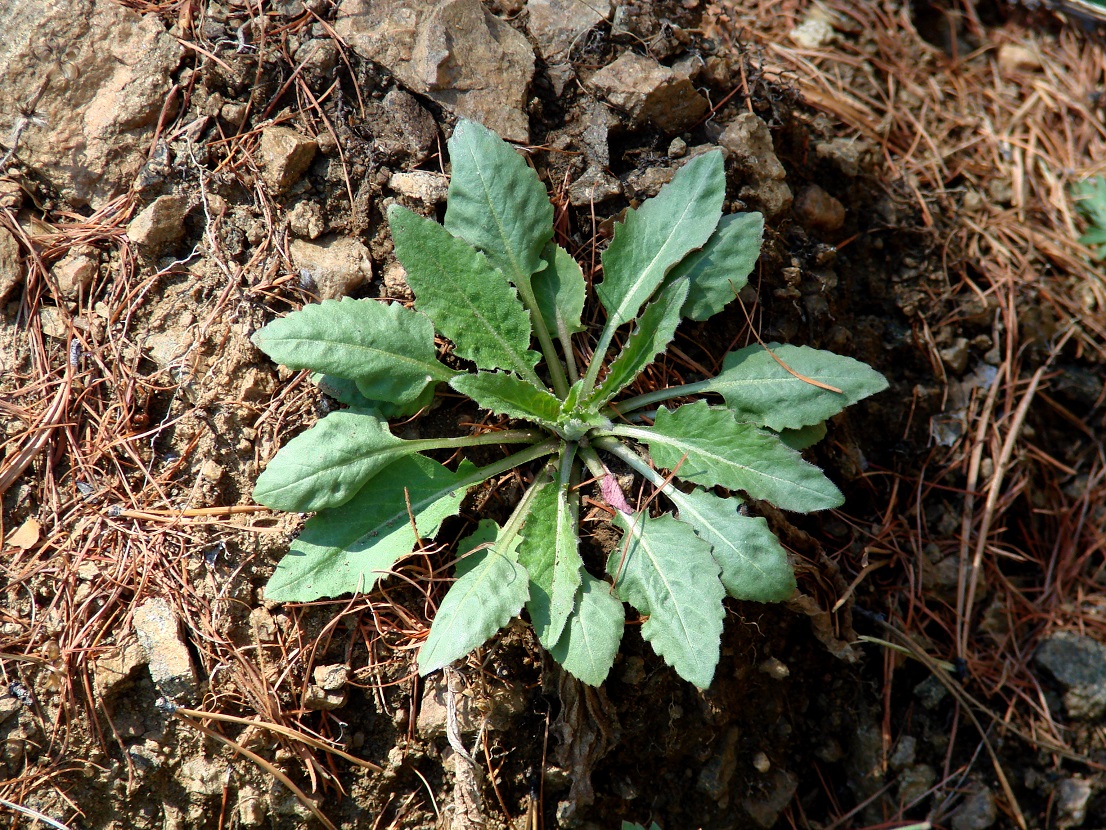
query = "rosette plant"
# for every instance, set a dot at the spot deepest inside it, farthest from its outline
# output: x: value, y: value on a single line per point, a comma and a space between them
x: 510, y: 302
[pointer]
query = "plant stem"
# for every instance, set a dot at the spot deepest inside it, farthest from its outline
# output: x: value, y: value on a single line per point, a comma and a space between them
x: 632, y: 459
x: 597, y: 359
x: 519, y: 514
x: 556, y: 369
x: 667, y: 394
x: 594, y: 464
x: 510, y: 436
x: 503, y: 465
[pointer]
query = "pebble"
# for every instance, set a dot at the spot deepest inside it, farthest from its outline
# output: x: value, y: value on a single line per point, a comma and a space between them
x: 285, y: 156
x: 160, y: 223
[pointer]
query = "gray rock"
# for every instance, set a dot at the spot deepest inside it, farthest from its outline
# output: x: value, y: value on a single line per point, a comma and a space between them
x: 1078, y: 664
x: 402, y: 128
x: 648, y: 92
x: 1072, y: 795
x: 97, y: 74
x: 306, y: 220
x: 956, y: 355
x: 423, y: 185
x: 11, y: 269
x: 159, y: 635
x: 717, y: 773
x: 557, y: 25
x: 914, y: 782
x: 76, y: 270
x: 978, y: 812
x: 594, y: 186
x: 453, y: 51
x: 338, y: 265
x: 115, y: 670
x: 819, y: 210
x: 319, y: 699
x: 778, y: 790
x: 285, y: 155
x: 331, y: 678
x: 748, y: 144
x: 161, y: 223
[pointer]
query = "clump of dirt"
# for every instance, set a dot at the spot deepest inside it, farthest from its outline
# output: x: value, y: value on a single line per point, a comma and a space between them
x: 244, y: 167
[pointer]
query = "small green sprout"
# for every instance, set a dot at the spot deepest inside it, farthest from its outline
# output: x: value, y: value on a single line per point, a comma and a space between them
x: 494, y: 283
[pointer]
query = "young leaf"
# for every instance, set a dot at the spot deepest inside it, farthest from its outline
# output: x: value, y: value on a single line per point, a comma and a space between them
x: 655, y: 329
x: 348, y: 548
x: 659, y: 234
x: 721, y: 268
x: 496, y: 202
x: 754, y: 564
x: 469, y: 301
x: 666, y: 572
x: 711, y: 448
x: 549, y: 554
x: 387, y: 349
x: 326, y: 465
x: 759, y: 390
x: 345, y: 391
x: 491, y: 588
x: 507, y: 394
x: 589, y: 641
x: 560, y: 290
x: 803, y: 437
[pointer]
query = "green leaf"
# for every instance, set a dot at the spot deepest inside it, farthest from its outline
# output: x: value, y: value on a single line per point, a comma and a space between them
x: 759, y: 390
x: 803, y: 437
x: 490, y: 590
x: 754, y: 564
x: 589, y: 642
x: 469, y: 301
x: 348, y: 548
x: 655, y: 329
x: 659, y: 234
x: 721, y: 268
x: 387, y: 349
x: 549, y: 552
x: 666, y: 572
x: 560, y: 291
x: 345, y: 391
x: 496, y: 202
x: 326, y: 465
x: 507, y: 394
x: 711, y: 448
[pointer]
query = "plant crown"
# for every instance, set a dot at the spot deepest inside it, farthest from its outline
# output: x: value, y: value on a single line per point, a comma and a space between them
x: 495, y: 283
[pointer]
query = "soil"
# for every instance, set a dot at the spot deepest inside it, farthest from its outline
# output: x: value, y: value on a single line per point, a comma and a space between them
x: 859, y: 703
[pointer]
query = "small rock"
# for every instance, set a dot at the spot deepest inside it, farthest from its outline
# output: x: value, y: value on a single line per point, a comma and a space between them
x: 1013, y: 57
x: 395, y: 282
x: 402, y: 128
x: 158, y: 632
x: 956, y: 355
x: 1072, y: 795
x: 11, y: 195
x: 814, y: 32
x: 914, y: 782
x: 716, y: 775
x: 318, y: 57
x: 775, y: 668
x: 263, y: 625
x: 54, y: 322
x: 558, y: 25
x: 255, y: 383
x: 251, y: 807
x: 338, y: 264
x: 331, y: 678
x: 647, y: 183
x: 647, y: 91
x: 432, y: 711
x: 904, y: 754
x: 9, y: 705
x: 845, y: 154
x: 818, y: 210
x: 76, y: 271
x: 1078, y: 663
x: 594, y: 186
x: 747, y: 142
x: 285, y: 155
x: 160, y: 223
x: 114, y: 671
x: 234, y: 113
x: 305, y: 220
x: 931, y: 693
x: 322, y: 700
x: 11, y: 269
x: 425, y: 186
x: 211, y: 471
x: 978, y: 812
x: 677, y: 148
x: 779, y: 789
x: 202, y: 777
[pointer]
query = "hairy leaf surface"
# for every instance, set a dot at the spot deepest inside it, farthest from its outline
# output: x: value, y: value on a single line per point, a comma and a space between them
x: 346, y: 391
x: 469, y: 301
x: 761, y: 391
x: 348, y: 548
x: 388, y: 350
x: 490, y: 590
x: 712, y: 448
x: 589, y: 642
x: 721, y: 268
x: 549, y: 552
x: 754, y: 564
x: 655, y: 329
x: 507, y: 394
x: 326, y: 465
x: 659, y: 234
x: 496, y: 202
x: 666, y: 572
x: 560, y: 291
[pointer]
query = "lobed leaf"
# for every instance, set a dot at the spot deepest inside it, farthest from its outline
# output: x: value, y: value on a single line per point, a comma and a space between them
x: 754, y: 564
x: 655, y: 329
x: 589, y: 642
x: 326, y: 465
x: 721, y: 268
x: 550, y: 553
x: 496, y: 202
x: 710, y: 447
x: 761, y: 391
x: 388, y: 350
x: 490, y: 590
x: 507, y: 394
x: 468, y: 299
x: 656, y: 236
x: 560, y: 290
x: 666, y: 572
x: 348, y: 548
